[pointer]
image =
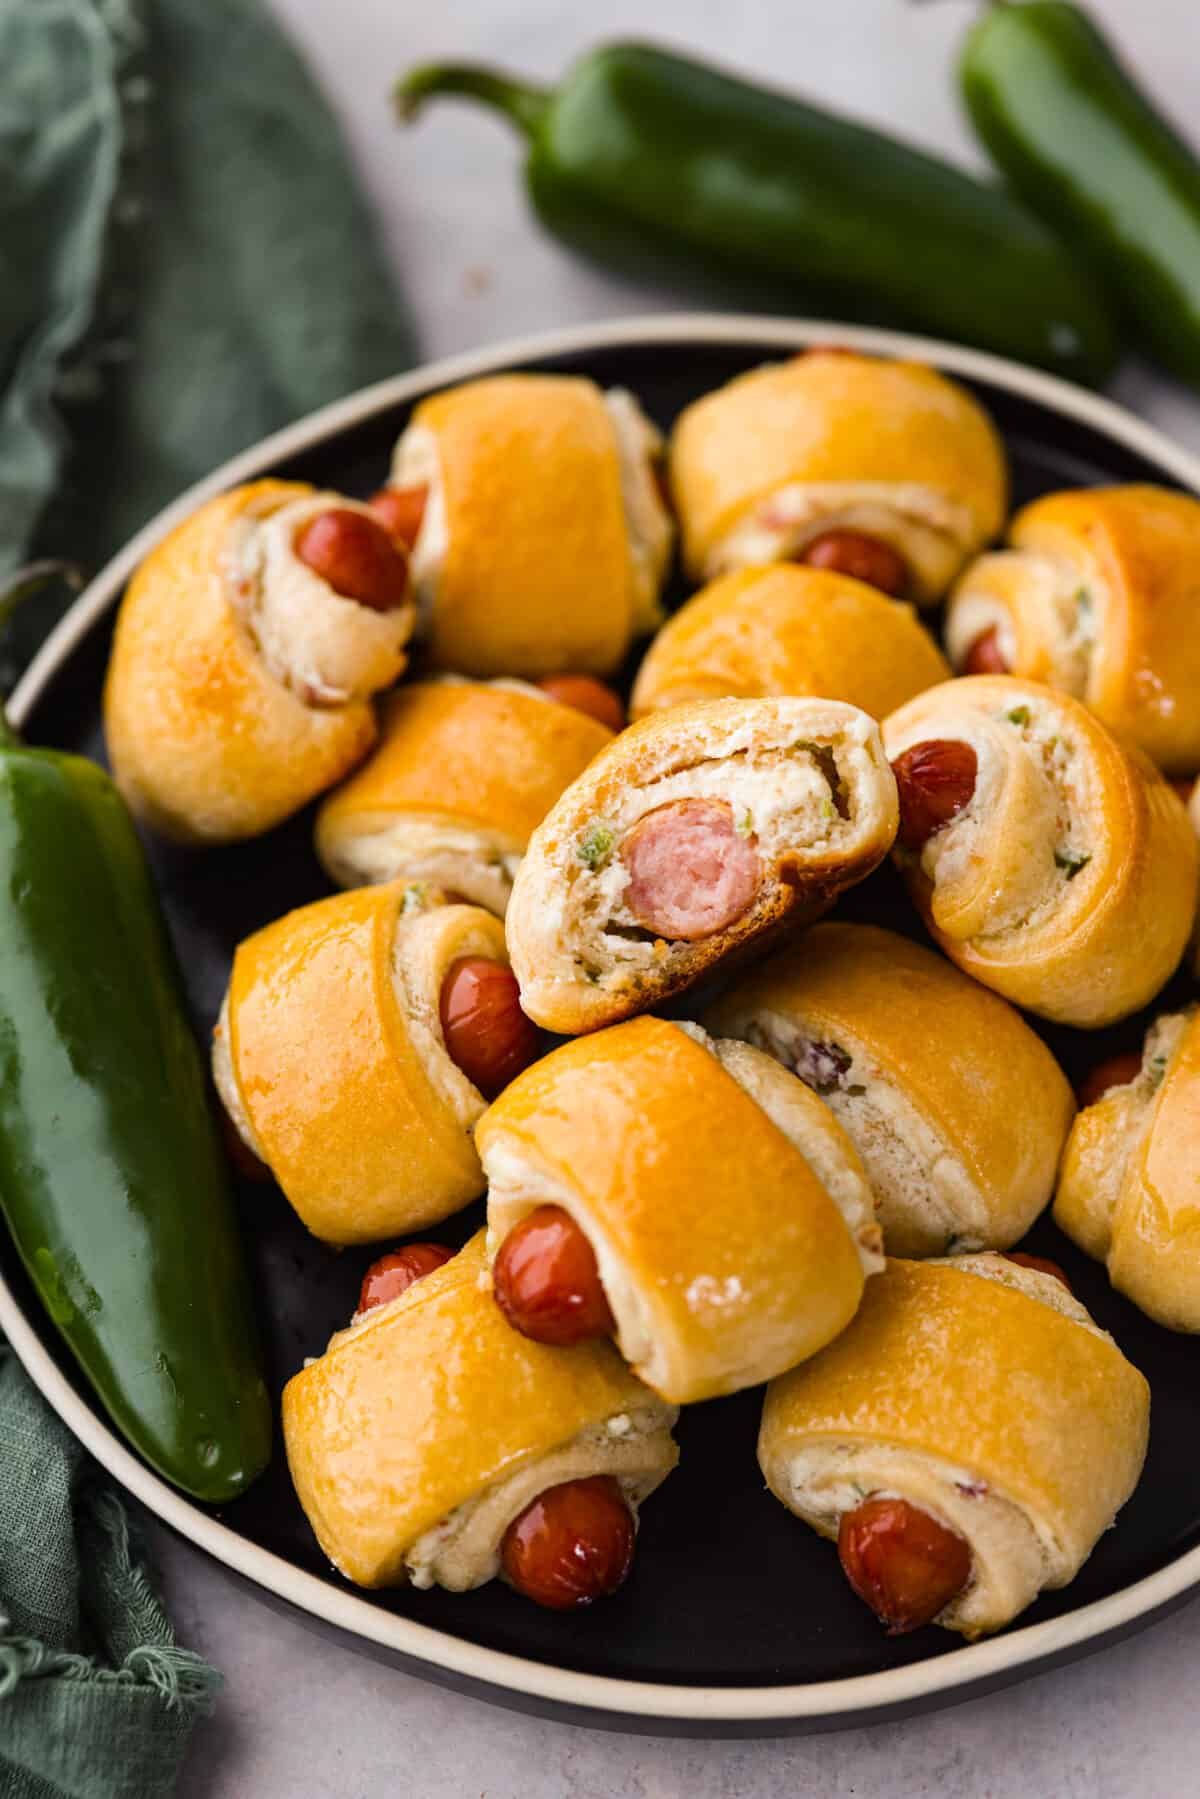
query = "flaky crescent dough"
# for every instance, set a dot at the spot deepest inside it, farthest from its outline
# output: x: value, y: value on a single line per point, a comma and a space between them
x: 463, y: 773
x: 808, y: 784
x: 429, y: 1425
x: 1099, y: 595
x: 982, y: 1393
x: 1068, y: 883
x: 730, y: 1217
x: 957, y: 1108
x: 206, y: 745
x: 834, y: 440
x: 330, y: 1059
x: 789, y: 630
x: 1129, y: 1190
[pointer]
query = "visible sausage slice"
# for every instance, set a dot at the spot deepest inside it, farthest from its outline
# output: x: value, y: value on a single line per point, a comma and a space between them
x: 356, y: 557
x: 1043, y: 1264
x: 985, y: 656
x: 901, y: 1562
x: 1116, y: 1071
x: 935, y: 780
x: 586, y: 694
x: 691, y: 873
x: 402, y: 511
x: 547, y: 1283
x: 485, y: 1031
x: 397, y: 1271
x: 572, y: 1545
x: 864, y: 557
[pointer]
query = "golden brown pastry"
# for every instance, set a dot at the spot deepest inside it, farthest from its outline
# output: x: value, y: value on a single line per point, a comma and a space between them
x: 859, y: 463
x: 717, y: 1202
x: 429, y: 1427
x: 690, y: 837
x: 965, y: 1441
x: 1129, y: 1190
x: 540, y: 539
x: 789, y: 630
x: 247, y: 648
x: 957, y: 1108
x: 334, y: 1057
x: 1098, y: 595
x: 1049, y: 862
x: 464, y: 772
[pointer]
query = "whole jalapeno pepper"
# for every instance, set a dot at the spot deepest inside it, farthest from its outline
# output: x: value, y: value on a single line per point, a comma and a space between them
x: 640, y: 156
x: 112, y: 1179
x: 1082, y: 145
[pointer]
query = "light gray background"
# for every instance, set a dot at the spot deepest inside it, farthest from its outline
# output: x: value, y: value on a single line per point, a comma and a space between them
x: 300, y: 1718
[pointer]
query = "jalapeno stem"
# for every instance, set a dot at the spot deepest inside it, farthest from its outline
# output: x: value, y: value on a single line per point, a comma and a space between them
x: 523, y: 102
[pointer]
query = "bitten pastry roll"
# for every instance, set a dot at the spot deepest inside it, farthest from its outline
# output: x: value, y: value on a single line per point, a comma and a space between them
x: 247, y: 648
x: 687, y: 1196
x: 1048, y: 861
x: 1097, y: 595
x: 880, y: 469
x: 1130, y: 1181
x: 539, y: 534
x: 357, y: 1046
x: 464, y: 772
x: 965, y: 1442
x: 693, y: 835
x: 957, y: 1108
x: 788, y: 630
x: 433, y: 1445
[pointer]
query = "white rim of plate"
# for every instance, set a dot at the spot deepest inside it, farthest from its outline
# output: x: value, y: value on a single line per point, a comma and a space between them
x: 987, y: 1662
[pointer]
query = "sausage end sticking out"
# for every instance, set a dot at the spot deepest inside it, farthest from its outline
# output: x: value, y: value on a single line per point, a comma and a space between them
x: 985, y: 656
x: 865, y: 558
x: 547, y: 1283
x: 935, y: 780
x: 572, y: 1545
x: 401, y: 511
x: 397, y: 1271
x: 901, y: 1562
x: 356, y: 557
x: 485, y: 1031
x: 586, y: 694
x: 1042, y: 1264
x: 691, y: 873
x: 1117, y: 1071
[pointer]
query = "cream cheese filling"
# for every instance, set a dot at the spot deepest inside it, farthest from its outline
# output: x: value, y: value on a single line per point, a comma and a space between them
x: 1066, y: 602
x: 462, y: 1551
x: 325, y: 648
x: 479, y: 864
x: 928, y: 1200
x: 932, y: 532
x: 1047, y: 840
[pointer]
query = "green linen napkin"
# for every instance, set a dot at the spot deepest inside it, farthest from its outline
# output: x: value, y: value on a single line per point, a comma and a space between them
x: 185, y: 265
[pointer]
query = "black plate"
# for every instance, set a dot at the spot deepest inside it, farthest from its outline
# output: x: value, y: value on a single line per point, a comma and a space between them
x: 729, y: 1591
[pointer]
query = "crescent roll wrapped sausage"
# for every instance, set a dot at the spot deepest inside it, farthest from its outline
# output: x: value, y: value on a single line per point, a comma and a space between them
x: 1130, y: 1181
x: 333, y: 1056
x: 785, y: 630
x: 957, y: 1108
x: 539, y: 534
x: 1048, y: 861
x: 881, y: 469
x: 247, y: 648
x: 463, y: 773
x: 429, y: 1427
x: 688, y: 1196
x: 965, y: 1442
x: 694, y: 833
x: 1098, y: 596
